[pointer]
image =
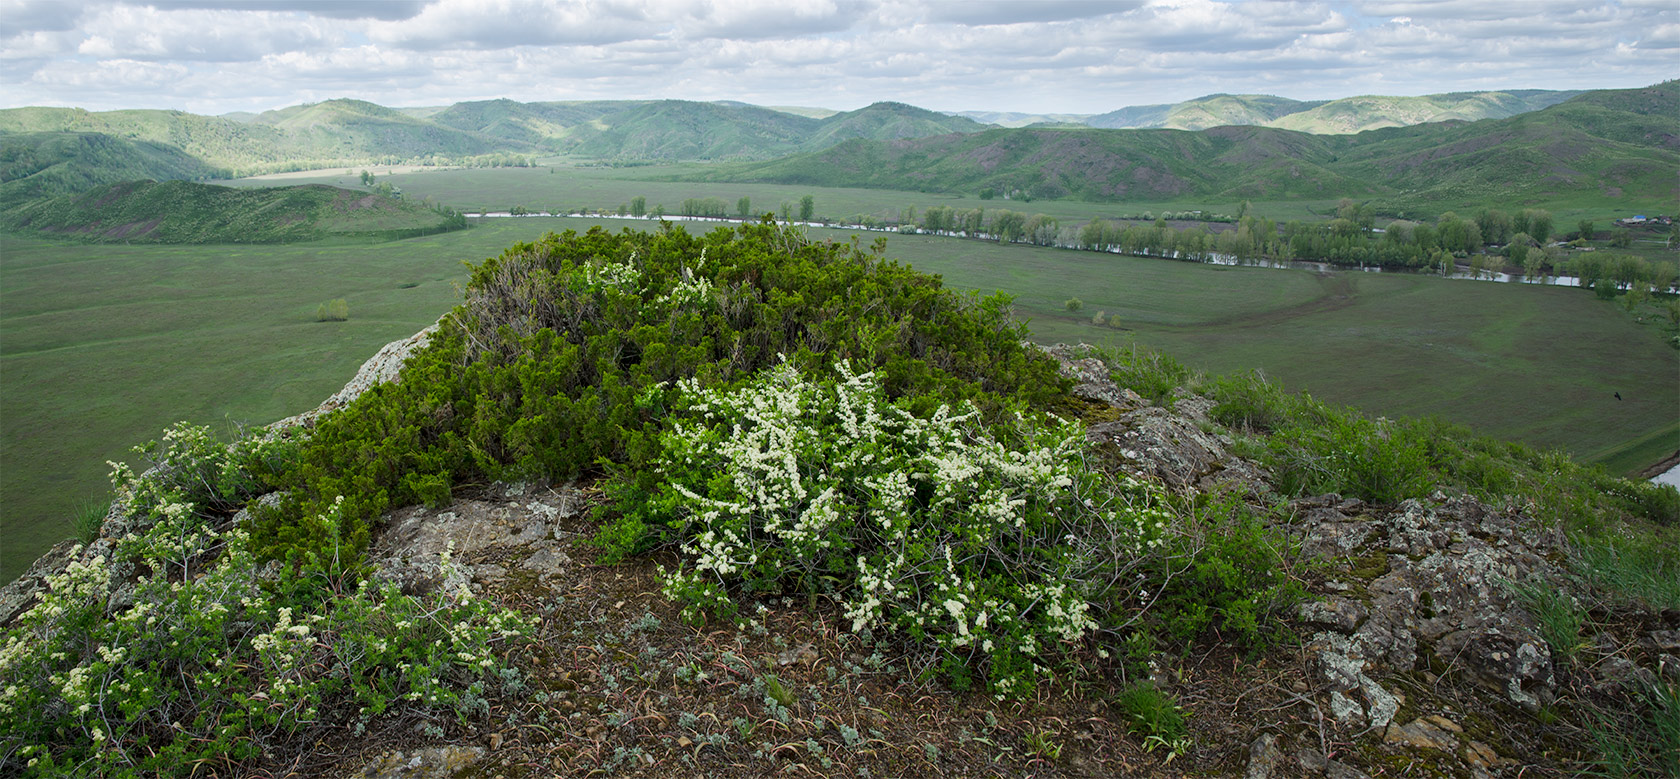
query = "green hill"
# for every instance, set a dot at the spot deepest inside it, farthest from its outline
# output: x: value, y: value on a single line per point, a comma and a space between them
x: 1202, y: 113
x: 544, y: 125
x: 187, y: 212
x: 1327, y: 117
x: 1369, y: 112
x: 1618, y: 145
x: 888, y: 121
x: 1087, y: 164
x: 682, y: 129
x: 355, y: 129
x: 221, y: 142
x: 35, y: 165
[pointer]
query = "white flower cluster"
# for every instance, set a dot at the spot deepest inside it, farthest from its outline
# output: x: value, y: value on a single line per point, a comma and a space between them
x: 624, y: 275
x: 950, y: 532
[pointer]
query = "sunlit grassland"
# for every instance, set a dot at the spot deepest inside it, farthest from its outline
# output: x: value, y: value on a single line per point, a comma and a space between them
x: 102, y: 346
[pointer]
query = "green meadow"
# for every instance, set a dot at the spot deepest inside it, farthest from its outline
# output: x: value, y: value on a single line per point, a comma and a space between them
x: 568, y: 188
x: 102, y: 346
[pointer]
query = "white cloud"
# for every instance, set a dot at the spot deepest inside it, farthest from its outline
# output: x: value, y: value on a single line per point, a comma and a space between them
x: 131, y: 32
x: 1084, y: 56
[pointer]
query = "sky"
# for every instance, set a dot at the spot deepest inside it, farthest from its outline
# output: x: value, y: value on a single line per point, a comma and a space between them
x: 1033, y: 56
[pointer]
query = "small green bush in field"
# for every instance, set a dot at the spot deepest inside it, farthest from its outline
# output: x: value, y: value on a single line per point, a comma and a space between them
x: 335, y: 310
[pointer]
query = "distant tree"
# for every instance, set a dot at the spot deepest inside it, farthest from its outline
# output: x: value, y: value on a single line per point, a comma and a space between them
x: 519, y: 211
x: 1539, y: 224
x: 1621, y: 239
x: 908, y: 215
x: 1100, y: 318
x: 659, y: 211
x: 1008, y: 225
x: 638, y: 206
x: 787, y: 211
x: 807, y: 208
x: 1496, y: 226
x: 1586, y: 229
x: 743, y: 207
x: 367, y: 179
x: 1605, y: 289
x: 988, y: 193
x: 1242, y: 210
x: 1074, y: 304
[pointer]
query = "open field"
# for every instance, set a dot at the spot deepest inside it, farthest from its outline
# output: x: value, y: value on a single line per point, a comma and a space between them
x: 563, y: 187
x: 102, y: 346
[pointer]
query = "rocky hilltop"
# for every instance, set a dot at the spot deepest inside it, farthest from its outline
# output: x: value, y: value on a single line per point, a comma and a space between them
x: 1442, y: 634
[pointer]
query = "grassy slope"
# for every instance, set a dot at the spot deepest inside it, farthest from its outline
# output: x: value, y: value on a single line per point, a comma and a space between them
x: 186, y: 212
x: 213, y: 333
x: 1084, y: 164
x: 34, y: 165
x: 1340, y: 116
x: 888, y: 122
x: 1373, y: 112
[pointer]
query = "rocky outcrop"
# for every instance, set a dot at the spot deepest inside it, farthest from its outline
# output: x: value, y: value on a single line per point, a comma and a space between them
x: 1174, y: 446
x: 477, y: 541
x: 383, y: 366
x: 1426, y: 583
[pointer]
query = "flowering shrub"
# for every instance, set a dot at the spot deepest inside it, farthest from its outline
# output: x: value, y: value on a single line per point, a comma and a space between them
x: 991, y: 543
x: 203, y: 662
x: 554, y: 364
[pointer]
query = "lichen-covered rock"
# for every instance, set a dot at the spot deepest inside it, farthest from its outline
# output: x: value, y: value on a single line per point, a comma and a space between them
x: 1426, y: 579
x: 442, y: 762
x: 422, y: 550
x: 23, y: 592
x: 1091, y: 377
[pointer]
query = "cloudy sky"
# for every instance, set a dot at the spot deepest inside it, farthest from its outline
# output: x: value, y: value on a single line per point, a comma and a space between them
x: 1072, y: 56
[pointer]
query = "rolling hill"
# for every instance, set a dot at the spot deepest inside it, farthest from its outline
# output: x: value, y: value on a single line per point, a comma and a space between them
x: 36, y: 165
x: 346, y: 132
x: 1202, y: 113
x: 1358, y: 114
x: 1324, y: 117
x: 1614, y: 144
x: 187, y: 212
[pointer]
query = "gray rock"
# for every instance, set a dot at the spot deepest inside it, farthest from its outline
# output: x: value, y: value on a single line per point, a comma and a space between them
x: 443, y: 762
x: 1445, y: 591
x: 25, y: 591
x: 383, y: 366
x: 411, y: 550
x: 1618, y: 674
x: 1091, y: 377
x: 1265, y: 758
x: 1336, y: 613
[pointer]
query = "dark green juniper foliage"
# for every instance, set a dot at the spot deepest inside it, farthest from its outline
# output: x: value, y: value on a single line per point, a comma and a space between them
x: 559, y: 361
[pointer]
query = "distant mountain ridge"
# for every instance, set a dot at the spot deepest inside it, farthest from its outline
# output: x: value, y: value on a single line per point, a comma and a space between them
x: 1610, y: 141
x: 1342, y: 116
x: 340, y: 132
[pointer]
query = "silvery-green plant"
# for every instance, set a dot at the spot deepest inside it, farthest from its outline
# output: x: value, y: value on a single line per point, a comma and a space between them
x: 989, y: 543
